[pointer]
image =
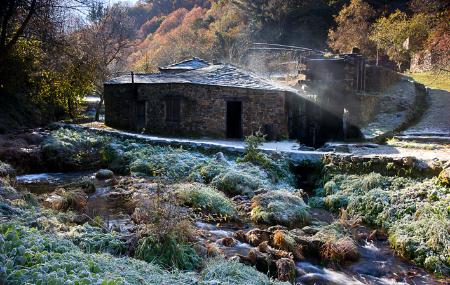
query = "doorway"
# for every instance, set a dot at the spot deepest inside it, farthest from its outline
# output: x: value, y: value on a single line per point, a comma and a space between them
x: 234, y: 119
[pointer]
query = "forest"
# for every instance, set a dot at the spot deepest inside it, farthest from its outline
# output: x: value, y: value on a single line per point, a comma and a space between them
x: 54, y: 52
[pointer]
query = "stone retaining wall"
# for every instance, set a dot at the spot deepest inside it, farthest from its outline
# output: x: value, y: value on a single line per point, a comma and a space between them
x: 390, y: 166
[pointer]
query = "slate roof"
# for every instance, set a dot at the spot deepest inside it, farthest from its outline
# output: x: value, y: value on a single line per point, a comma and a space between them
x: 189, y: 64
x: 215, y: 74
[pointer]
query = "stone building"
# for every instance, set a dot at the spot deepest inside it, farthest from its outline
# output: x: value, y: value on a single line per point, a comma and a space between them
x: 195, y: 98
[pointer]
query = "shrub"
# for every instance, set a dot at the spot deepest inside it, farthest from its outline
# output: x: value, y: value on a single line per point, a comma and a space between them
x: 80, y: 149
x: 168, y: 253
x: 6, y: 170
x: 280, y: 207
x: 206, y: 199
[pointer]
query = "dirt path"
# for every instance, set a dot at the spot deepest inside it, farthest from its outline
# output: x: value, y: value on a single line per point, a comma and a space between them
x: 436, y: 120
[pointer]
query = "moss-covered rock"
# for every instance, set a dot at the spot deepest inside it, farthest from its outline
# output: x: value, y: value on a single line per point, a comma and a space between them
x: 236, y: 183
x: 280, y: 207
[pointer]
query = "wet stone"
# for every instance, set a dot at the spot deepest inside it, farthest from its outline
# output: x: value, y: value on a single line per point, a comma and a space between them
x: 285, y: 269
x: 104, y: 174
x: 228, y: 241
x: 240, y: 236
x: 257, y: 236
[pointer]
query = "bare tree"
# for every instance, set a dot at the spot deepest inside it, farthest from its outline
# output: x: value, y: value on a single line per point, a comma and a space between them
x: 105, y: 40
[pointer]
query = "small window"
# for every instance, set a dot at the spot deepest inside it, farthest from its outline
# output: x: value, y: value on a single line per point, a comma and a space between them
x: 173, y: 110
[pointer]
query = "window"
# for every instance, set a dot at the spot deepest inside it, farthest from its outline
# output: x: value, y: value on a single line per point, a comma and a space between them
x: 173, y: 110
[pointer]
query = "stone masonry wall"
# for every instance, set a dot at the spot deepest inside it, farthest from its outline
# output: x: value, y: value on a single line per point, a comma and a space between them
x: 120, y: 106
x: 203, y: 109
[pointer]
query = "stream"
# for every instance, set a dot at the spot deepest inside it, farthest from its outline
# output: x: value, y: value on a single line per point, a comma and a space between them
x: 377, y: 263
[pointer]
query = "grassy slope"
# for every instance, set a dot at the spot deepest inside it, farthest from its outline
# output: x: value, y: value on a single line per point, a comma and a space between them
x: 433, y: 80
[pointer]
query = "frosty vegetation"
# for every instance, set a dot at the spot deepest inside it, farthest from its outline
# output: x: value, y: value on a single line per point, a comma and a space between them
x: 415, y: 213
x: 165, y: 189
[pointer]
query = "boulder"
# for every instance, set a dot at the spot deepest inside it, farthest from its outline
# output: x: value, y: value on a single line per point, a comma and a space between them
x: 56, y: 202
x: 280, y: 207
x: 240, y: 236
x: 344, y: 249
x: 274, y: 253
x: 262, y: 261
x: 104, y: 174
x: 285, y: 270
x: 88, y: 187
x: 228, y: 241
x: 282, y: 240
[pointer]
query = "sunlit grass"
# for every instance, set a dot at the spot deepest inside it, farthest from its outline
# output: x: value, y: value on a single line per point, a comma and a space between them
x: 413, y: 144
x: 437, y: 80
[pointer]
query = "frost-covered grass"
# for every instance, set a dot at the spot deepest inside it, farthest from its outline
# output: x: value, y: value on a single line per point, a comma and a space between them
x: 81, y: 148
x: 206, y: 199
x: 280, y: 208
x: 94, y: 240
x: 168, y: 253
x: 28, y: 256
x: 58, y: 254
x: 338, y: 246
x: 232, y: 272
x: 416, y: 213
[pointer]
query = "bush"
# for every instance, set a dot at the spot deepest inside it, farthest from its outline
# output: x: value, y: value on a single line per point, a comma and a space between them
x: 206, y: 199
x: 280, y: 207
x: 232, y: 272
x: 168, y: 253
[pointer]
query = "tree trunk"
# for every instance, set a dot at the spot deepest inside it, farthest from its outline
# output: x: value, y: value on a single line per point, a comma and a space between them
x: 98, y: 109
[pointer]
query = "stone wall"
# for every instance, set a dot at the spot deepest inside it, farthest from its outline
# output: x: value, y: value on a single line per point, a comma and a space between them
x: 203, y: 109
x: 120, y: 106
x: 380, y: 78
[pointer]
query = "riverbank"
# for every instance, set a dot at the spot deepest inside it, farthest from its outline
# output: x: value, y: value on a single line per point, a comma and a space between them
x: 217, y: 216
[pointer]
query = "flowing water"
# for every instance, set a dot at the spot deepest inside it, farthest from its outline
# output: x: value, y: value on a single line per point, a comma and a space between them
x: 377, y: 264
